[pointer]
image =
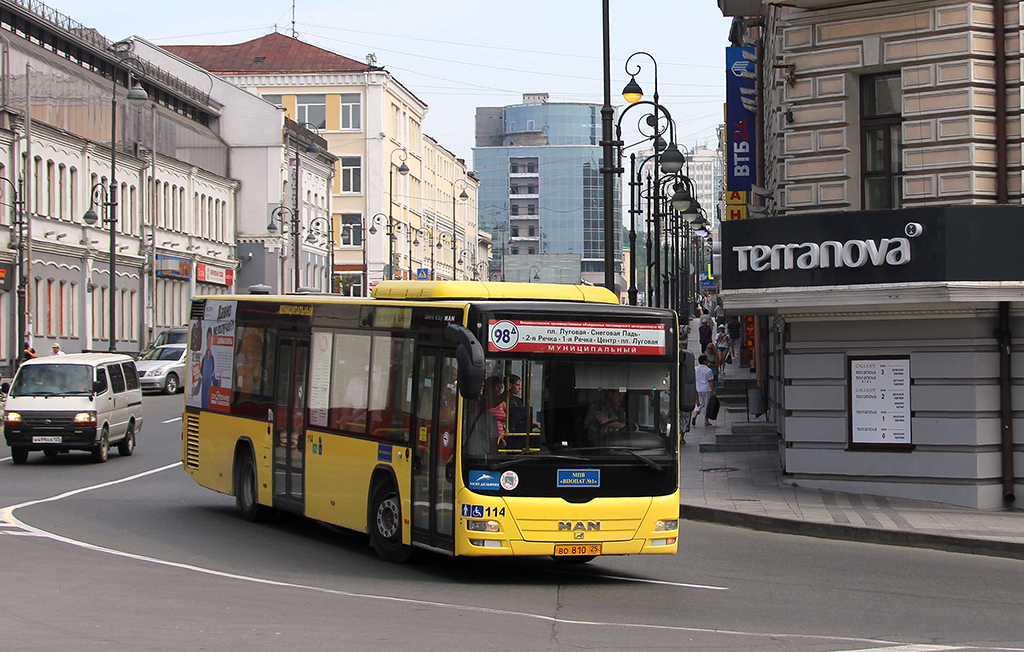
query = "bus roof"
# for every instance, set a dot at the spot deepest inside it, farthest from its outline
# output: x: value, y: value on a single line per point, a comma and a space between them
x: 453, y: 290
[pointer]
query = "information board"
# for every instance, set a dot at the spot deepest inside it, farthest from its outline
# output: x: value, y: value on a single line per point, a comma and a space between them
x: 880, y: 401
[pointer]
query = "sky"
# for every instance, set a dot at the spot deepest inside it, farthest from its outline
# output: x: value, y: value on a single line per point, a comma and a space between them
x: 458, y: 55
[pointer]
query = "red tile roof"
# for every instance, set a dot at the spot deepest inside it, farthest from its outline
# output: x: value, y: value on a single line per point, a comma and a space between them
x: 273, y: 53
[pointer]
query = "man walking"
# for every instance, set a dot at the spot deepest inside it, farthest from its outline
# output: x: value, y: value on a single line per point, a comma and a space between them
x: 705, y: 389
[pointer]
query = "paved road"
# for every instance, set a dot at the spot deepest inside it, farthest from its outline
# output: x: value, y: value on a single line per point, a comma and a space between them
x: 132, y: 555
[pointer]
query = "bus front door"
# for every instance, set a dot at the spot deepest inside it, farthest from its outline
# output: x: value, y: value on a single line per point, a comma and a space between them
x: 433, y: 488
x: 290, y: 423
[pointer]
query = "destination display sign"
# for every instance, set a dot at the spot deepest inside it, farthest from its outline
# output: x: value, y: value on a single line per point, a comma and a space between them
x: 526, y: 336
x: 880, y: 401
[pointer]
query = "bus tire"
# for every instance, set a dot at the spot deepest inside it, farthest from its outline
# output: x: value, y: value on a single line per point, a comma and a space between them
x: 385, y: 524
x: 247, y: 490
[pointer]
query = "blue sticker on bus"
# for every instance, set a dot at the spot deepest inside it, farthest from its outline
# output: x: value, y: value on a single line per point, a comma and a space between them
x: 383, y: 452
x: 473, y: 511
x: 484, y: 480
x: 586, y: 478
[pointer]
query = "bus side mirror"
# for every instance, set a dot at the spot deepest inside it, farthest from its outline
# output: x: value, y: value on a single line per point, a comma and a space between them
x: 471, y: 360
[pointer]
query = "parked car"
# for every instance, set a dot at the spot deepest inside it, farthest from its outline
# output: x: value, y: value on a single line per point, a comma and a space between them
x: 79, y: 401
x: 163, y: 368
x: 167, y: 336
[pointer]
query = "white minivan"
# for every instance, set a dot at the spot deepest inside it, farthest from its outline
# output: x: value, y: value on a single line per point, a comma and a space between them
x: 80, y: 401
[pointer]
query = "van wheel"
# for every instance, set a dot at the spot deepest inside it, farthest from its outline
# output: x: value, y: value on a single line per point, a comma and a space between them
x: 19, y: 455
x: 171, y: 384
x: 247, y: 491
x: 126, y: 446
x: 386, y: 524
x: 101, y: 450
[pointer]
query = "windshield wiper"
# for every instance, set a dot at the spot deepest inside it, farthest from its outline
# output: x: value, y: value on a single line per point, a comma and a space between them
x: 515, y: 461
x: 625, y: 449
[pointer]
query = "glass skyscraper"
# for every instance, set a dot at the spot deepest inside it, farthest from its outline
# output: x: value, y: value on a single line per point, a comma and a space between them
x: 541, y: 187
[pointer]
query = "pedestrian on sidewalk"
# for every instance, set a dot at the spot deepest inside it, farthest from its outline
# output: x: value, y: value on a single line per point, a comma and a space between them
x: 733, y: 328
x: 719, y: 313
x: 684, y: 337
x: 705, y: 332
x: 722, y: 346
x: 705, y: 389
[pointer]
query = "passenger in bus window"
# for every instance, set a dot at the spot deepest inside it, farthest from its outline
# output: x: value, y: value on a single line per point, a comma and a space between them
x: 496, y: 397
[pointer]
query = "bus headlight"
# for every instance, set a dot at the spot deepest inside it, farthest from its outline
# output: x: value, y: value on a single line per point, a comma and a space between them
x: 666, y: 525
x: 12, y: 418
x: 483, y: 526
x: 85, y: 419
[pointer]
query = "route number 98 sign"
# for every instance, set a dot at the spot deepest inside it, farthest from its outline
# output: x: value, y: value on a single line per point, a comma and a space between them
x: 504, y: 335
x: 521, y: 336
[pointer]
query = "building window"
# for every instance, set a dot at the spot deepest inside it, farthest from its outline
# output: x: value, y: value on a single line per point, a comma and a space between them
x: 352, y: 230
x: 515, y: 209
x: 881, y: 151
x: 311, y: 109
x: 351, y: 174
x: 273, y: 99
x: 350, y: 113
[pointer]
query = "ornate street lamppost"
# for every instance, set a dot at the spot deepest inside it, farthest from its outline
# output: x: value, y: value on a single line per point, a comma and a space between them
x: 314, y: 149
x: 455, y: 243
x: 379, y: 219
x: 534, y: 274
x: 278, y: 215
x: 108, y: 198
x: 18, y: 202
x: 311, y: 238
x: 403, y: 169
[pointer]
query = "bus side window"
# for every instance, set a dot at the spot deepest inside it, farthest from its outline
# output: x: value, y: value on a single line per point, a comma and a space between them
x: 350, y: 374
x: 391, y: 375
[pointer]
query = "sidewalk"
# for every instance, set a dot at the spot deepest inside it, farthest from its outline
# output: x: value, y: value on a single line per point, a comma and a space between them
x: 748, y: 489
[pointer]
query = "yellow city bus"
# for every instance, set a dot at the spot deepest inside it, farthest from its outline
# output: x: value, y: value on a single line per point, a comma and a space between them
x: 466, y: 418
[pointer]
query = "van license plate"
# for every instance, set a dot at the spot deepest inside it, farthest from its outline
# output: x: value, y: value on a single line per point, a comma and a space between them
x: 577, y: 549
x: 46, y: 440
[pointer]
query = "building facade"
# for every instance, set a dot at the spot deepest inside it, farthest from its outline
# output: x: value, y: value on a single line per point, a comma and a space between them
x: 887, y: 297
x: 374, y: 126
x: 155, y: 213
x: 541, y: 193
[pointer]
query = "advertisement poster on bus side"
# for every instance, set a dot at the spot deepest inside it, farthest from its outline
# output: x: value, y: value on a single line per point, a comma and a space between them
x: 211, y: 349
x: 522, y: 335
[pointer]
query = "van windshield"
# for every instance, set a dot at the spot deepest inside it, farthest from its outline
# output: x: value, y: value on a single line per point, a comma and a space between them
x: 52, y: 379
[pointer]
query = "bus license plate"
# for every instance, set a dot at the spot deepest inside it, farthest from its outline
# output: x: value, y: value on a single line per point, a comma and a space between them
x: 577, y: 549
x: 46, y: 440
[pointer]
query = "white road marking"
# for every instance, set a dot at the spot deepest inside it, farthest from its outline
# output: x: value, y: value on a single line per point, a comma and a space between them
x: 646, y: 581
x: 913, y: 648
x: 7, y: 515
x: 173, y: 420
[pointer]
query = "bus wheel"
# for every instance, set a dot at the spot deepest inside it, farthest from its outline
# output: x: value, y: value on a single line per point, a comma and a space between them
x: 386, y: 524
x: 247, y: 492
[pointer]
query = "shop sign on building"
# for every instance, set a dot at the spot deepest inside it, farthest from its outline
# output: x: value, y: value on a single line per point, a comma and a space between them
x: 216, y: 275
x: 172, y: 267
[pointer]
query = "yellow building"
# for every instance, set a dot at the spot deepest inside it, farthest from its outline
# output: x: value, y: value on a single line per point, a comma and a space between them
x: 390, y: 178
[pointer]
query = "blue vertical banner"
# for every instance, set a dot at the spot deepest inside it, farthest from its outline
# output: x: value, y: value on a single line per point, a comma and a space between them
x: 741, y: 131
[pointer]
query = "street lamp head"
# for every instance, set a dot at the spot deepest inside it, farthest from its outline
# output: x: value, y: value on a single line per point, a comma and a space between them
x: 681, y: 199
x: 403, y: 168
x: 373, y: 230
x: 632, y: 93
x: 692, y: 214
x: 463, y: 196
x: 272, y: 226
x: 310, y: 238
x: 660, y: 144
x: 313, y: 148
x: 137, y: 95
x: 90, y: 217
x: 672, y: 159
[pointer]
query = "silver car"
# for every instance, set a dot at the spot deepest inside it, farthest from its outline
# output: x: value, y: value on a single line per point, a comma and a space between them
x: 163, y: 368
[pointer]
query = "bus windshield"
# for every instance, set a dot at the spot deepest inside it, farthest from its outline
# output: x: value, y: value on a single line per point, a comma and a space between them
x: 532, y: 410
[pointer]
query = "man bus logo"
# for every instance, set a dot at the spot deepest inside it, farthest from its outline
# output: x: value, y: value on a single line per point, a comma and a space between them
x: 578, y: 525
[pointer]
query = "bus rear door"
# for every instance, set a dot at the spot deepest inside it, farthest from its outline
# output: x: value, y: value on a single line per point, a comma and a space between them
x: 433, y: 475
